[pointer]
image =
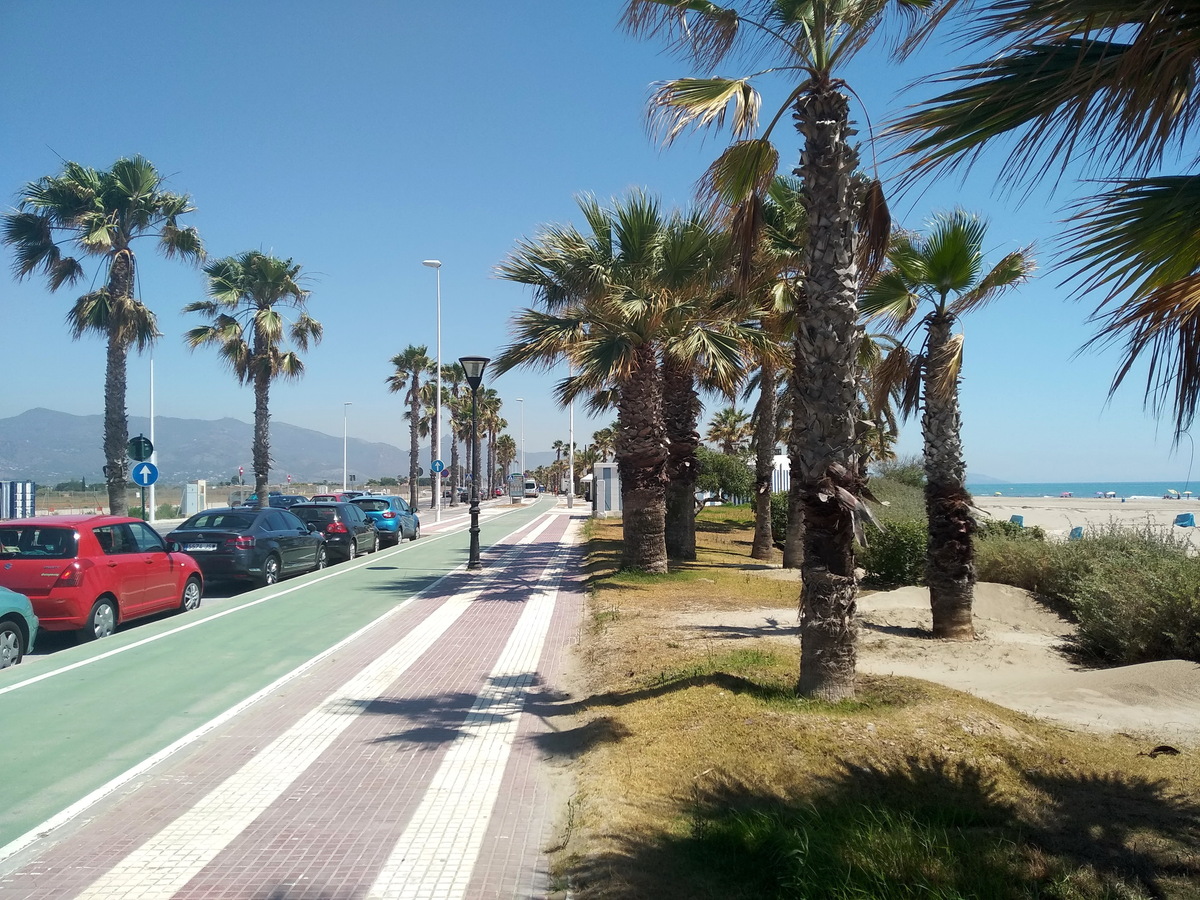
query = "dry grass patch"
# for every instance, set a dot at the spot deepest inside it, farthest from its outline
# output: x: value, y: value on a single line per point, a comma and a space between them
x: 706, y: 777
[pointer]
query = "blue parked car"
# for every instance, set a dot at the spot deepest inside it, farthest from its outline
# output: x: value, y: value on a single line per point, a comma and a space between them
x: 18, y: 627
x: 394, y: 518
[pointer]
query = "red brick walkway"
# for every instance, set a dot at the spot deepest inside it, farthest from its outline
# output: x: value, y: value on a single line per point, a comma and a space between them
x: 329, y: 830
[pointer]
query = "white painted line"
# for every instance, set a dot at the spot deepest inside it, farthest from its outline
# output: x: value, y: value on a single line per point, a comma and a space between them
x: 438, y: 850
x: 81, y: 805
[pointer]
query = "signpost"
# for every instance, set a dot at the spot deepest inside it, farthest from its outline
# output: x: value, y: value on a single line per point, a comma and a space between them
x: 141, y: 449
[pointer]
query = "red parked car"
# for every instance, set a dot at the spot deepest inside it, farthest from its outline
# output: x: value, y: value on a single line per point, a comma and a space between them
x: 88, y: 574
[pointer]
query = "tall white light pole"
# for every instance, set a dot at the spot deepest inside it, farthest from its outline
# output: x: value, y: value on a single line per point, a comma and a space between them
x: 152, y: 513
x: 571, y: 450
x: 435, y: 478
x: 521, y: 400
x: 345, y: 432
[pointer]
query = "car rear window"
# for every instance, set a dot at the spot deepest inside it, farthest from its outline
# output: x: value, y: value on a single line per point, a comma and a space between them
x: 324, y: 498
x: 373, y: 505
x: 223, y: 521
x: 316, y: 515
x: 37, y: 542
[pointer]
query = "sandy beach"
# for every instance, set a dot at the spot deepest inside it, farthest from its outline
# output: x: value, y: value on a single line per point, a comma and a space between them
x: 1058, y: 515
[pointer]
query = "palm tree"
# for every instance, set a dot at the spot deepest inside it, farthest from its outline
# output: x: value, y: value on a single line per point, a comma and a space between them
x: 248, y: 328
x: 453, y: 379
x: 812, y: 40
x: 1110, y: 84
x: 102, y: 213
x: 506, y: 453
x: 603, y: 440
x: 729, y: 429
x: 619, y: 298
x: 944, y: 273
x: 427, y: 427
x: 409, y: 366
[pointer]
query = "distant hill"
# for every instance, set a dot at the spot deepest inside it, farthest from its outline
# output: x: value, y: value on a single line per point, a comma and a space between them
x: 49, y: 447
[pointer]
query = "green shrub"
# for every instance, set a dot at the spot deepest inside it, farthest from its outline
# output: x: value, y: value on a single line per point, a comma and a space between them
x: 136, y: 512
x: 779, y: 517
x: 989, y: 528
x: 907, y: 470
x: 898, y: 500
x: 895, y: 555
x: 167, y: 511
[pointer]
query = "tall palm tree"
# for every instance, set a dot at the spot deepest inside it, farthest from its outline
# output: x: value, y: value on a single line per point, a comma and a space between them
x: 453, y: 379
x: 729, y: 429
x: 1110, y: 85
x: 428, y: 429
x: 101, y: 213
x: 248, y: 327
x: 603, y: 440
x: 942, y: 272
x: 506, y: 453
x: 612, y: 295
x: 410, y: 364
x: 811, y: 41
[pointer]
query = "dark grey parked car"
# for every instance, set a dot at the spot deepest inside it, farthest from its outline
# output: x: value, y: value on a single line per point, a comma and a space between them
x: 247, y: 544
x: 347, y: 529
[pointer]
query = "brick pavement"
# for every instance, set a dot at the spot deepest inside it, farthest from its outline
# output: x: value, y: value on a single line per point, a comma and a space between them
x: 405, y: 765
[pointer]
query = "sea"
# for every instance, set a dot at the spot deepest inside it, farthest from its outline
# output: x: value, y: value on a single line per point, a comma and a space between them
x: 1123, y: 489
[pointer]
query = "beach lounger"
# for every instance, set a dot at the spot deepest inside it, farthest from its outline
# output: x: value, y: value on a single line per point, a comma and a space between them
x: 1076, y: 533
x: 1185, y: 520
x: 1017, y: 520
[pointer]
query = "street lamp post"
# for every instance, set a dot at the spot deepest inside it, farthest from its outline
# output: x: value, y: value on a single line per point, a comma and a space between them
x: 521, y: 400
x: 435, y: 481
x: 345, y: 432
x: 474, y: 366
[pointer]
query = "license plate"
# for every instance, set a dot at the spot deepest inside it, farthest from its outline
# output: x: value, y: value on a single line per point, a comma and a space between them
x: 199, y: 548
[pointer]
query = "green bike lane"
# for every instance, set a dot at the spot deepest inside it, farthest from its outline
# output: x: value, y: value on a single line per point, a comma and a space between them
x: 79, y: 719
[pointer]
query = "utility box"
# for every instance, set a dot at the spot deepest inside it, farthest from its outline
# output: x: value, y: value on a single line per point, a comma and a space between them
x: 195, y: 498
x: 606, y: 490
x: 18, y: 499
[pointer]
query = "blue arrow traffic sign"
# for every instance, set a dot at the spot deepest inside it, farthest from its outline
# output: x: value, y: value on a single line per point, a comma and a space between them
x: 437, y: 465
x: 145, y: 474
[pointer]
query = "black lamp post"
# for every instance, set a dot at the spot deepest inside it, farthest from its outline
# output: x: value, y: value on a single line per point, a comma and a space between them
x: 474, y: 366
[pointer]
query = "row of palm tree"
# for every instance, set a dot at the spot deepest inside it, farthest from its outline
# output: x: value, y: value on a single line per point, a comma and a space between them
x: 1108, y: 83
x: 100, y: 214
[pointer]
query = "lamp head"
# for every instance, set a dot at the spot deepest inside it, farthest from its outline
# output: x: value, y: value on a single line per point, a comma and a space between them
x: 432, y: 263
x: 474, y: 366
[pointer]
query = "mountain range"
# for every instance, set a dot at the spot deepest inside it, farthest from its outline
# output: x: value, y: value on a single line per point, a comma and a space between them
x: 48, y: 447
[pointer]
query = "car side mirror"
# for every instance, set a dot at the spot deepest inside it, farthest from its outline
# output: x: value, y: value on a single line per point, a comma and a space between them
x: 311, y: 528
x: 174, y: 547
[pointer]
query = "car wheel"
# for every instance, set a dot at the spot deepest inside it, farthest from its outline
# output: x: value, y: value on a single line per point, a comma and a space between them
x: 191, y: 595
x: 102, y: 621
x: 12, y: 644
x: 416, y: 531
x: 375, y: 545
x: 322, y: 558
x: 270, y: 570
x: 353, y: 551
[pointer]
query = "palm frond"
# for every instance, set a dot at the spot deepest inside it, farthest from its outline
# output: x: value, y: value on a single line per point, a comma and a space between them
x: 701, y: 29
x: 702, y: 103
x: 1012, y: 271
x: 942, y: 379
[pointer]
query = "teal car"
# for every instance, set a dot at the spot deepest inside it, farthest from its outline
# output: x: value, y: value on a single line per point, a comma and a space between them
x: 18, y: 627
x: 393, y: 517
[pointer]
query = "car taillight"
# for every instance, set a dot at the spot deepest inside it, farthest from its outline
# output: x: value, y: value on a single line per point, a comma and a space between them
x: 389, y: 515
x: 241, y: 542
x: 71, y: 576
x: 336, y: 528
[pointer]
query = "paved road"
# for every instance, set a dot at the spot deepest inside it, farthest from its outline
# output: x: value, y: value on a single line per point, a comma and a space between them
x: 373, y: 730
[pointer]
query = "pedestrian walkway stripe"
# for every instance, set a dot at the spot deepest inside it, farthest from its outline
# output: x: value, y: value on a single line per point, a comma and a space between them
x: 166, y: 862
x: 436, y: 855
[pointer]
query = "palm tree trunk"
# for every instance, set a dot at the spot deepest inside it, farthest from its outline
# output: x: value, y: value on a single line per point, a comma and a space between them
x: 763, y: 546
x: 116, y: 422
x: 823, y: 455
x: 681, y: 412
x: 641, y: 445
x: 453, y: 468
x: 414, y: 443
x: 262, y: 438
x: 950, y: 557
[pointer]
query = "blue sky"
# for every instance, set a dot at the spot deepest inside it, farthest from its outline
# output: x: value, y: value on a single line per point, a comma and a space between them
x: 362, y: 138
